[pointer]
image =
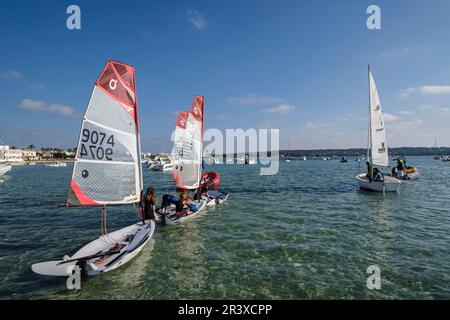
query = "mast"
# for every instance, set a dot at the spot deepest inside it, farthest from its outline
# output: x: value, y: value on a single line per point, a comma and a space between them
x: 138, y: 133
x: 435, y: 147
x: 369, y: 141
x: 201, y: 142
x: 369, y: 147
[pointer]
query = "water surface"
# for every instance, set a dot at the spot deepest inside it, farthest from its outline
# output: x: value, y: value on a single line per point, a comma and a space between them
x: 305, y: 233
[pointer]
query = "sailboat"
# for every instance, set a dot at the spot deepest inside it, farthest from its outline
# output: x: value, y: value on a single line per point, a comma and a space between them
x: 377, y: 152
x: 288, y: 158
x: 188, y: 149
x: 436, y: 157
x: 187, y: 160
x: 107, y: 171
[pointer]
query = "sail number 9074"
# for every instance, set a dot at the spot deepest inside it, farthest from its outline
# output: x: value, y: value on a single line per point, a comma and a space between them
x: 96, y: 144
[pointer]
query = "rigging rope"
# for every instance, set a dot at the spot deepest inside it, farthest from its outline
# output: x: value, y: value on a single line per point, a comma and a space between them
x: 104, y: 227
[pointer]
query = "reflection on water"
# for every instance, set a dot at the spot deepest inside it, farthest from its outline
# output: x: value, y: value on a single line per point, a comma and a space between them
x: 308, y: 232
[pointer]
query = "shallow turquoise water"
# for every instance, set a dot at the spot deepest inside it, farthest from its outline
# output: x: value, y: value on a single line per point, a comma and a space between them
x: 307, y: 232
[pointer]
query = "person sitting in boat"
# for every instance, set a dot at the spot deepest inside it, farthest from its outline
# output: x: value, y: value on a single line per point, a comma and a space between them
x: 373, y: 174
x: 166, y: 201
x: 369, y: 171
x: 401, y: 165
x: 185, y: 205
x: 202, y: 192
x: 377, y: 175
x: 150, y: 204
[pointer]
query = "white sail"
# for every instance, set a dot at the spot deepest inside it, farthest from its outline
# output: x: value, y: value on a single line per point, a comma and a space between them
x: 188, y: 167
x: 107, y: 167
x: 378, y: 143
x: 178, y: 138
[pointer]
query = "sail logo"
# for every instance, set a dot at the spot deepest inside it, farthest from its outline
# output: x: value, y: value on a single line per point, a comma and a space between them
x: 113, y: 84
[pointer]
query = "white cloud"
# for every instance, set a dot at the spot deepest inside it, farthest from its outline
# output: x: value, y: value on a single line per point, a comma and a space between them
x: 314, y: 125
x: 197, y: 19
x: 348, y: 117
x: 425, y: 90
x: 252, y: 99
x: 32, y: 104
x: 39, y: 105
x: 11, y: 74
x: 397, y: 52
x: 407, y: 125
x: 282, y: 108
x: 37, y: 86
x: 61, y: 110
x: 17, y: 76
x: 445, y: 109
x: 389, y: 117
x: 426, y: 107
x: 435, y: 89
x: 405, y: 112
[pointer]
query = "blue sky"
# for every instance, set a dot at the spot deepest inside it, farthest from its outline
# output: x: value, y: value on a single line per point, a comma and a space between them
x: 300, y: 66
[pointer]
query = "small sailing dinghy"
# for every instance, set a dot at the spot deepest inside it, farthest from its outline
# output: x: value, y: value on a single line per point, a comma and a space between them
x: 187, y: 159
x: 107, y: 171
x: 377, y: 152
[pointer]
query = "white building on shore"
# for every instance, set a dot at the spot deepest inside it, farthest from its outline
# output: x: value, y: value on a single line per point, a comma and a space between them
x: 15, y: 155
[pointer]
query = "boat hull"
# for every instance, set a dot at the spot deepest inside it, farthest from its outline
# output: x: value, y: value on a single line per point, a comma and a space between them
x: 4, y: 169
x: 171, y: 213
x: 133, y: 238
x: 390, y: 184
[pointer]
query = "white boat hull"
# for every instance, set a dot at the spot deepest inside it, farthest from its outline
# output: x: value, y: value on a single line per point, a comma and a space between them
x: 4, y: 168
x: 133, y: 238
x: 171, y: 213
x: 162, y: 167
x: 216, y: 197
x: 56, y: 164
x: 390, y: 184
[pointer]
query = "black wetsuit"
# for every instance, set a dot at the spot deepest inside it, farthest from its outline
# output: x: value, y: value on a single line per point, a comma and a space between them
x: 148, y: 214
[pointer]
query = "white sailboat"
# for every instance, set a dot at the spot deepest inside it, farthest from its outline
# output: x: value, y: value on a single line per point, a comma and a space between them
x: 187, y: 160
x: 107, y: 171
x: 377, y: 152
x: 56, y: 164
x: 188, y: 150
x: 164, y: 164
x: 436, y: 156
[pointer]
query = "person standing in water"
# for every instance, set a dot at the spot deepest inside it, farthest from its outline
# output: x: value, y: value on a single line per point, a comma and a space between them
x: 150, y: 201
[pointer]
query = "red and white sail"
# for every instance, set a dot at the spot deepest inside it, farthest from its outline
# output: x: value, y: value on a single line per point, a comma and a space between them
x: 188, y: 152
x: 107, y: 167
x: 177, y: 150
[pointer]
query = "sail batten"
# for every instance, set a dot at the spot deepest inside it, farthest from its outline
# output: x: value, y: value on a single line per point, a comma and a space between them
x: 107, y: 164
x: 378, y: 142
